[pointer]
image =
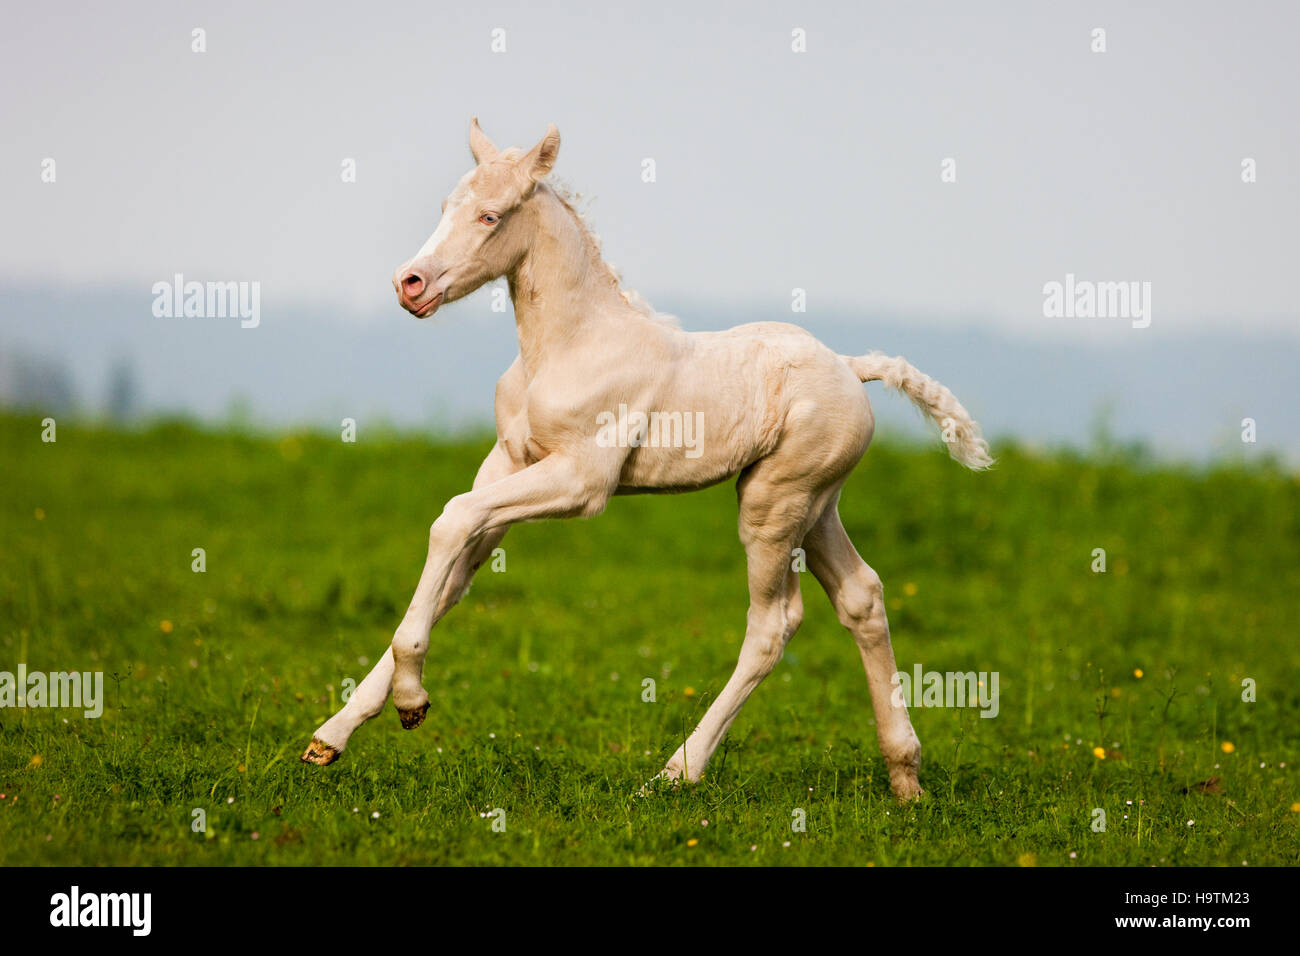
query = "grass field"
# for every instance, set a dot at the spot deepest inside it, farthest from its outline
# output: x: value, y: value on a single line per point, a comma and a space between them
x: 216, y: 680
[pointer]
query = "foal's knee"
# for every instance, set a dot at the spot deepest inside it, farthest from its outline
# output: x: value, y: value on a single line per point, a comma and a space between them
x: 455, y: 524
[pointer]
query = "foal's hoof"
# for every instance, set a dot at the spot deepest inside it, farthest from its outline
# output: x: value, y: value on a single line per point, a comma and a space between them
x: 670, y: 778
x: 907, y: 789
x: 659, y: 784
x: 413, y: 718
x: 320, y: 753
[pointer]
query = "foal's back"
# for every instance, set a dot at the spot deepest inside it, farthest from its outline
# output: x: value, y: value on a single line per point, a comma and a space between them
x: 754, y: 389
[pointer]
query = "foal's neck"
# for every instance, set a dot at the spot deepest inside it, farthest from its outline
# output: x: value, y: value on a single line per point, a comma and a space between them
x: 562, y: 290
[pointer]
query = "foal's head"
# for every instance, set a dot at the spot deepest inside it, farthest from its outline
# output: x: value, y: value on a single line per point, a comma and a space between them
x: 485, y: 228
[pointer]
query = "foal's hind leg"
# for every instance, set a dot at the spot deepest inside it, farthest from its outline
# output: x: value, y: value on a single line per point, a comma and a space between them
x: 775, y: 612
x: 773, y: 520
x: 858, y: 596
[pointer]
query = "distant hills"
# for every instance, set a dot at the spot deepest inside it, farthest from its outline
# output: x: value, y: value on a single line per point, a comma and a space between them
x: 101, y: 352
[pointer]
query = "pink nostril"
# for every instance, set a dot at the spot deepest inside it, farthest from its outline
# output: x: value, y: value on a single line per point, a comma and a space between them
x: 413, y: 285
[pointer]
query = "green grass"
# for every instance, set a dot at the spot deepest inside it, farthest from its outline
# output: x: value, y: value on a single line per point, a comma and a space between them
x: 313, y: 549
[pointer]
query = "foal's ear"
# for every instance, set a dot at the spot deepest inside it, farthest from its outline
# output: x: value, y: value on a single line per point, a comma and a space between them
x: 537, y: 163
x: 480, y: 146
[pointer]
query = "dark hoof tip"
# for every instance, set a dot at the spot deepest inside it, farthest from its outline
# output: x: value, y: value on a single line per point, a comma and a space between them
x: 413, y: 718
x: 320, y: 753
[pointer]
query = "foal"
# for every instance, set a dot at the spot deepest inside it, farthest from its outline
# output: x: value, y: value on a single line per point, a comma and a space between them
x: 777, y: 408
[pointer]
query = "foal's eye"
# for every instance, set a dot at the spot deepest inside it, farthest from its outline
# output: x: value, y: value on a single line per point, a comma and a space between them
x: 489, y: 219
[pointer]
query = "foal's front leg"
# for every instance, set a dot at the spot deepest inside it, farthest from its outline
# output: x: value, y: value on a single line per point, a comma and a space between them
x: 558, y: 486
x: 369, y: 698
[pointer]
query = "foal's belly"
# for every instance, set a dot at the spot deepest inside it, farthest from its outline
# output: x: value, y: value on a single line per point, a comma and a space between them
x: 672, y: 486
x: 674, y: 490
x: 669, y: 469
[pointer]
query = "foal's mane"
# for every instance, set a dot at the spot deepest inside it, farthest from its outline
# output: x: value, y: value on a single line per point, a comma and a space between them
x: 569, y: 200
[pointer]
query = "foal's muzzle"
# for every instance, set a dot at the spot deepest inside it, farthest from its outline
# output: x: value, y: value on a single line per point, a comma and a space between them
x: 417, y: 289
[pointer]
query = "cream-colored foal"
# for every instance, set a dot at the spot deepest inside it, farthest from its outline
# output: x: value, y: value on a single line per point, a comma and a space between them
x: 768, y: 401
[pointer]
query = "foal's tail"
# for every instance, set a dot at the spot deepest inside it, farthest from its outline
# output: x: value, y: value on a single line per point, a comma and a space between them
x: 960, y: 432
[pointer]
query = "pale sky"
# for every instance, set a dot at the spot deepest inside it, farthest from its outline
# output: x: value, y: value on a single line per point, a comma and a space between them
x: 775, y: 170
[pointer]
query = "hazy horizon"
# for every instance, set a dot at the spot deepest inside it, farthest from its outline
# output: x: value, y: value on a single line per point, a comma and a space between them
x: 1180, y: 393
